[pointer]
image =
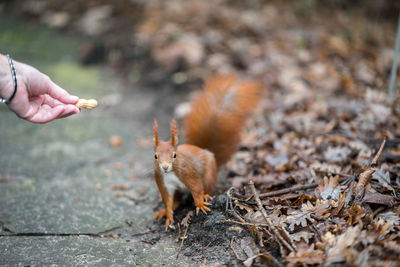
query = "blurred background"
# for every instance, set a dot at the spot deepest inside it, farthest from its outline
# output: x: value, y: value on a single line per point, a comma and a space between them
x: 335, y: 43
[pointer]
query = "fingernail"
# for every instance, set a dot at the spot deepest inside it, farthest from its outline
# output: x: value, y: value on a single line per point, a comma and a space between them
x: 74, y: 98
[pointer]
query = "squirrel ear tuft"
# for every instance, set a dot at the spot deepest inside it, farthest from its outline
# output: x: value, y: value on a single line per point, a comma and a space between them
x: 174, y: 133
x: 155, y: 134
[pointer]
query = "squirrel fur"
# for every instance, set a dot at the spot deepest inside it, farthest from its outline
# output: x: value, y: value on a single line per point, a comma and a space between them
x: 213, y: 129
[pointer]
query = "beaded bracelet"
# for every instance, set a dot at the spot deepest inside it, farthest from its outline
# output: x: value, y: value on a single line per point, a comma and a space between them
x: 14, y: 77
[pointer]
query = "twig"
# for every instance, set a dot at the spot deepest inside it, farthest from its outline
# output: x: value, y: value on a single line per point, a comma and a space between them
x: 294, y: 188
x: 186, y: 222
x: 243, y: 223
x: 375, y: 159
x: 209, y: 243
x: 183, y: 239
x: 234, y: 251
x: 271, y: 226
x: 232, y: 210
x: 343, y: 174
x: 99, y: 234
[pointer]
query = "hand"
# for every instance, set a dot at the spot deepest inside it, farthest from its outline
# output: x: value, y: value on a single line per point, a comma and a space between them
x: 38, y: 98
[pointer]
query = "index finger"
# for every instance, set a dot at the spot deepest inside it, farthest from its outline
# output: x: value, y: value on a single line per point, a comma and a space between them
x: 60, y: 94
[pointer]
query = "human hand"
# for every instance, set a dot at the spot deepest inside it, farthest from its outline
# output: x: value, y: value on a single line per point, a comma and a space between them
x: 38, y: 98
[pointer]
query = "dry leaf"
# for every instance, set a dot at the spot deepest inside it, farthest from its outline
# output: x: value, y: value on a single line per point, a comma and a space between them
x: 298, y: 218
x: 302, y: 235
x: 309, y: 256
x: 328, y: 188
x: 186, y: 221
x: 377, y: 198
x: 115, y: 140
x: 121, y: 187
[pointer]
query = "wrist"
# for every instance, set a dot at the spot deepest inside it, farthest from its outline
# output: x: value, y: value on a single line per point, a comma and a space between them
x: 6, y: 80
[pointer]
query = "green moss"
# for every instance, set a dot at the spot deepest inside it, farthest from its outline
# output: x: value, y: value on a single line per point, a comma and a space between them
x: 82, y: 81
x: 35, y: 44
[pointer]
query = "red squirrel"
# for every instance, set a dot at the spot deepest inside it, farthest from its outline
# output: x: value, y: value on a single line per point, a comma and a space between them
x: 212, y: 129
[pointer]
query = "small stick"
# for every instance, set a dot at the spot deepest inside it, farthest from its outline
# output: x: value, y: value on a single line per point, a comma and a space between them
x: 294, y: 188
x: 209, y: 243
x: 243, y: 223
x: 228, y: 193
x: 186, y: 222
x: 271, y: 226
x: 183, y: 239
x: 375, y: 159
x: 234, y: 251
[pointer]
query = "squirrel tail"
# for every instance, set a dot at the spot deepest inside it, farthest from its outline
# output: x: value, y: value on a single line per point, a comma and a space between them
x: 219, y: 113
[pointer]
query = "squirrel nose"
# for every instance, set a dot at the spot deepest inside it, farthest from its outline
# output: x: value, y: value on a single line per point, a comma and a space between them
x: 165, y: 167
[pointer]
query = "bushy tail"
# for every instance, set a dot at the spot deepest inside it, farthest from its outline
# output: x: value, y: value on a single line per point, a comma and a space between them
x: 219, y: 113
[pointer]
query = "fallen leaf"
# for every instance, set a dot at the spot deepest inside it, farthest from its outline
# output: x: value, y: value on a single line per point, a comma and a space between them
x: 328, y: 188
x: 308, y: 256
x: 306, y: 236
x: 279, y: 161
x: 377, y: 198
x: 186, y: 221
x: 121, y: 187
x: 337, y: 252
x: 297, y: 217
x: 337, y: 154
x: 115, y: 140
x: 383, y: 177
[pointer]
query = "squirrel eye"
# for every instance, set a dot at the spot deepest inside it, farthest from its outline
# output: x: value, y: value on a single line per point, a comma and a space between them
x: 155, y: 156
x: 174, y: 155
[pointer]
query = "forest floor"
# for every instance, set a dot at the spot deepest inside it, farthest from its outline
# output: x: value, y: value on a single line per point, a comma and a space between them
x: 315, y: 181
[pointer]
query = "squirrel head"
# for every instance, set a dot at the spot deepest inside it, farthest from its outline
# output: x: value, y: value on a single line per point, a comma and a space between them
x: 165, y: 151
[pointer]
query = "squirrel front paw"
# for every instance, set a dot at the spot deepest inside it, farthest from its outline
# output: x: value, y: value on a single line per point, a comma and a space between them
x: 207, y: 196
x: 168, y: 220
x: 202, y: 205
x: 159, y: 214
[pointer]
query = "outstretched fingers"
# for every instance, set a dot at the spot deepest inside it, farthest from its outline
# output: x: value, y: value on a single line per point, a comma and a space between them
x: 45, y: 113
x: 60, y: 94
x: 69, y: 109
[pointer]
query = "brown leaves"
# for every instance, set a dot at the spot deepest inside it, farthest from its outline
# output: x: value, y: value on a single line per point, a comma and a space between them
x: 307, y: 256
x: 298, y: 218
x: 328, y: 188
x: 333, y: 224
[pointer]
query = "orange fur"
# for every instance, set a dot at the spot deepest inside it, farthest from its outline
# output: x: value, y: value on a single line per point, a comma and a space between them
x: 219, y: 113
x: 213, y: 129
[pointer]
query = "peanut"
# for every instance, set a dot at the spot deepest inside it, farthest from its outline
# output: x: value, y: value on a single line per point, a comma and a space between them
x: 88, y: 104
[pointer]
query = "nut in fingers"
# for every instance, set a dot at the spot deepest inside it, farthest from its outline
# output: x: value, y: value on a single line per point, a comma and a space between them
x: 88, y: 104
